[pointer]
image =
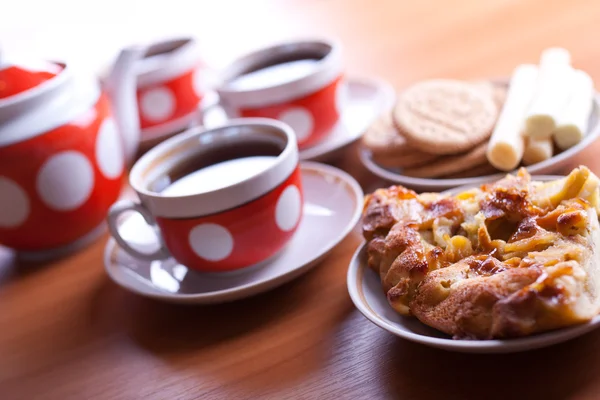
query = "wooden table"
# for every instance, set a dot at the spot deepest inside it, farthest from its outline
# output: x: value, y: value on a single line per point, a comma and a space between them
x: 68, y: 332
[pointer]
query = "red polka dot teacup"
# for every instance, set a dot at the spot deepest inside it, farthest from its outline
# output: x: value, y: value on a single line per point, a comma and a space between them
x: 299, y: 83
x: 221, y: 199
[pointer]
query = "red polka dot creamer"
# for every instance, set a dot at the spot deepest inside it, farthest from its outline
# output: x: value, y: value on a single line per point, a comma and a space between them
x: 171, y: 82
x: 156, y: 90
x: 166, y: 103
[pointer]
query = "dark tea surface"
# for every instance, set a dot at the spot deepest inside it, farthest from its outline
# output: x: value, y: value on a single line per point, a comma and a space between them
x: 274, y: 75
x: 218, y: 176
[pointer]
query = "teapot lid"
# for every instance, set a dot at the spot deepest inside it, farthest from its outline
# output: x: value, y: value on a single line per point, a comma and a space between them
x: 18, y: 77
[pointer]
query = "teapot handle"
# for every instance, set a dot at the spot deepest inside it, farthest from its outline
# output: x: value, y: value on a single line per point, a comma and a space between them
x: 121, y: 86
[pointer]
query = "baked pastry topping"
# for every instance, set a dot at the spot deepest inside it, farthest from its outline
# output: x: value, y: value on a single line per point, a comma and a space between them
x: 506, y: 259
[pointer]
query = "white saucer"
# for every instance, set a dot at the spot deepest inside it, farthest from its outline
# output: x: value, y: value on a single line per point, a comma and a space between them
x: 333, y: 205
x: 549, y: 166
x: 367, y: 99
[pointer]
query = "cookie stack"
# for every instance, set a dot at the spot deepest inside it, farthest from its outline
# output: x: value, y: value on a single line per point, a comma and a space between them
x: 438, y: 129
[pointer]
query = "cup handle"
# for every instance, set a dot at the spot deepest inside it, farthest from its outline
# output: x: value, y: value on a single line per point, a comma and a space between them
x: 127, y: 205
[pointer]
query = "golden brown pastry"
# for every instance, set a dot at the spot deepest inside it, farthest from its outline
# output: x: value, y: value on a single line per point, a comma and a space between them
x: 507, y: 259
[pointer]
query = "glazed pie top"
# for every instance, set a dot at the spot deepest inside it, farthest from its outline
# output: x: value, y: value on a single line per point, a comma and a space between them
x: 506, y: 259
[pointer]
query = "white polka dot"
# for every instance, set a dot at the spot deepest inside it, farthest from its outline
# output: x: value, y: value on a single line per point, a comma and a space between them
x: 86, y: 119
x: 14, y: 204
x: 198, y: 82
x: 288, y: 209
x: 301, y: 121
x: 109, y: 153
x: 341, y: 97
x: 211, y: 241
x: 66, y: 181
x: 158, y: 104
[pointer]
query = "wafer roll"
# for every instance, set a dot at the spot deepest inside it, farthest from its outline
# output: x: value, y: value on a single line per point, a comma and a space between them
x: 537, y: 150
x: 551, y: 94
x: 505, y: 148
x: 573, y: 119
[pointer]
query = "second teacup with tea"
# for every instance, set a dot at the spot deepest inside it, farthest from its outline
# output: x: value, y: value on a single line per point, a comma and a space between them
x: 300, y: 83
x: 220, y: 199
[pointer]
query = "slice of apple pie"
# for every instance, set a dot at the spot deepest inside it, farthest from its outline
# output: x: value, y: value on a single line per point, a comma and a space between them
x: 507, y: 259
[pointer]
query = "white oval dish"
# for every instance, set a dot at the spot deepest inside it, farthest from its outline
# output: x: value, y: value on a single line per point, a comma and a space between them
x: 367, y: 295
x: 551, y: 165
x: 364, y: 287
x: 333, y: 204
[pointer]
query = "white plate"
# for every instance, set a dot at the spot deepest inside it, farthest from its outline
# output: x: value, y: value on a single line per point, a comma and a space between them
x: 553, y: 164
x: 367, y: 98
x: 333, y: 204
x: 367, y: 295
x: 366, y: 292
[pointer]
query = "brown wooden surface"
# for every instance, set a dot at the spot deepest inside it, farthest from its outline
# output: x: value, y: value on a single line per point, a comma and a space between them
x: 68, y: 332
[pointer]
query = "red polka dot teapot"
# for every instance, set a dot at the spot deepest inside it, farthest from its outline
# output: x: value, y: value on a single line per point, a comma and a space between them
x: 65, y: 141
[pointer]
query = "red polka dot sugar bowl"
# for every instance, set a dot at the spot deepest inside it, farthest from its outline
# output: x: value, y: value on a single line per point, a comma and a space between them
x: 300, y: 83
x: 220, y: 199
x: 61, y: 157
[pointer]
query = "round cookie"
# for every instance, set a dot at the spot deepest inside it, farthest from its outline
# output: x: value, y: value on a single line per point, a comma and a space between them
x: 499, y: 93
x: 412, y: 159
x: 483, y: 84
x: 496, y: 89
x: 382, y: 137
x: 478, y: 170
x: 450, y: 164
x: 445, y: 116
